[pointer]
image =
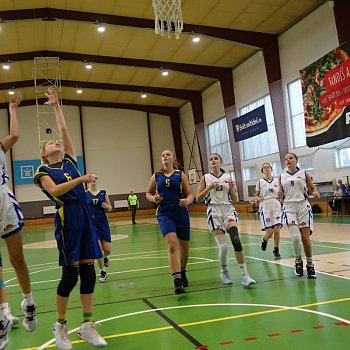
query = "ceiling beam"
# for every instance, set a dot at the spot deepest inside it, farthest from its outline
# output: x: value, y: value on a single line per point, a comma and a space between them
x: 187, y: 95
x: 169, y: 111
x: 257, y: 40
x: 212, y: 72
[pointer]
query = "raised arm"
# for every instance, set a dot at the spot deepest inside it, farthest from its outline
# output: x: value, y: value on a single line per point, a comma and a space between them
x: 51, y: 94
x: 58, y: 190
x: 13, y: 136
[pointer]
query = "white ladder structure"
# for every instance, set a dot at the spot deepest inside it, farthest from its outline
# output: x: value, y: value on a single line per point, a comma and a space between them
x: 46, y: 73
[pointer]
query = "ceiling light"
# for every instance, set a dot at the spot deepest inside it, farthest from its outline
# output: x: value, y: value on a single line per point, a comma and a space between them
x: 165, y: 72
x: 143, y: 95
x: 196, y: 38
x: 101, y: 28
x: 79, y: 90
x: 6, y: 66
x: 88, y: 65
x: 11, y: 92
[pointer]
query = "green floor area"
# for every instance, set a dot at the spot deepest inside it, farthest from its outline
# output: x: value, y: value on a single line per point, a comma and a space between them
x: 137, y: 310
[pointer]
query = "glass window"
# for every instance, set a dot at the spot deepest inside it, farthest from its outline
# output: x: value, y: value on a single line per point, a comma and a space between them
x: 276, y: 168
x: 306, y: 163
x: 219, y: 141
x: 342, y: 157
x: 296, y: 110
x: 249, y: 173
x: 265, y: 143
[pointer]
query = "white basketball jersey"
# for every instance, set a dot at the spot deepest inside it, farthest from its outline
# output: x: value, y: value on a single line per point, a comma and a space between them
x: 3, y: 176
x: 268, y: 188
x: 220, y: 195
x: 294, y: 186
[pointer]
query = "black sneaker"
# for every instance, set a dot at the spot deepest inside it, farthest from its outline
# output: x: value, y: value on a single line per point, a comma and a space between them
x: 179, y: 288
x: 184, y: 279
x: 299, y: 268
x: 310, y: 271
x: 276, y: 253
x: 263, y: 244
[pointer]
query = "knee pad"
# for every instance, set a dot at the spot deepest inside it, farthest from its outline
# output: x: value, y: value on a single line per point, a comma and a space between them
x: 68, y: 280
x: 87, y: 278
x: 236, y: 242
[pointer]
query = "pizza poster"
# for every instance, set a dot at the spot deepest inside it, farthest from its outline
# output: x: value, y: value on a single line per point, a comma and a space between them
x: 326, y: 97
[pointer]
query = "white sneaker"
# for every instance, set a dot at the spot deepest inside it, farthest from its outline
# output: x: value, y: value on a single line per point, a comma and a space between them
x: 60, y: 331
x: 87, y: 331
x: 225, y: 277
x: 5, y: 327
x: 247, y: 280
x: 29, y: 321
x: 12, y: 318
x: 103, y: 277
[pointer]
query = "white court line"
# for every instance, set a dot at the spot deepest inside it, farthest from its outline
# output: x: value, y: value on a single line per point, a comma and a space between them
x: 51, y: 341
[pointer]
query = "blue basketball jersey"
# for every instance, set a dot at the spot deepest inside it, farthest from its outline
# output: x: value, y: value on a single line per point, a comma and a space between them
x: 60, y: 173
x: 169, y: 187
x: 95, y: 201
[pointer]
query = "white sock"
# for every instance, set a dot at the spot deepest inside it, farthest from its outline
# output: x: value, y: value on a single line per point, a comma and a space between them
x: 28, y: 298
x: 243, y: 268
x: 223, y: 249
x: 296, y: 240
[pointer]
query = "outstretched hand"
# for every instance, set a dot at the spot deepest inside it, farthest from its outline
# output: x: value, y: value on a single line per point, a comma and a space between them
x: 15, y: 103
x: 52, y: 98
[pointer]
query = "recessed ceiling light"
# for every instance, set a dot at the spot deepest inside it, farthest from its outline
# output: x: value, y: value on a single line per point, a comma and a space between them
x: 79, y: 91
x: 143, y: 95
x: 101, y: 28
x: 88, y: 65
x: 196, y: 38
x: 165, y: 73
x: 11, y: 92
x: 6, y: 66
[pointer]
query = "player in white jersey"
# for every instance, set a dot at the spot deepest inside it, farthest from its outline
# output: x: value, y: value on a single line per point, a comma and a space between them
x: 296, y: 184
x: 11, y: 222
x: 218, y: 190
x: 270, y: 210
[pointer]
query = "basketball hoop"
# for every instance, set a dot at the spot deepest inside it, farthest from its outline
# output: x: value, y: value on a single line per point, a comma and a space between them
x: 167, y: 17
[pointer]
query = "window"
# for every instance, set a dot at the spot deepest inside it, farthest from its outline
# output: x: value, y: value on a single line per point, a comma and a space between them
x: 306, y: 163
x: 342, y: 158
x: 265, y: 143
x: 219, y: 141
x: 296, y: 110
x: 276, y: 168
x: 249, y: 173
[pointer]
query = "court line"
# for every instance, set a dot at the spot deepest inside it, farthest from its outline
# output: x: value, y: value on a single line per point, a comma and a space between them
x: 276, y: 308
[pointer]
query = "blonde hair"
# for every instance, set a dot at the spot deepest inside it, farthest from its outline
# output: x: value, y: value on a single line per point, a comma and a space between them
x: 42, y: 151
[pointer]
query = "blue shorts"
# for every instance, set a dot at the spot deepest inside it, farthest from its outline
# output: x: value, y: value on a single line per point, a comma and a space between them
x: 102, y: 227
x: 75, y: 234
x: 173, y: 218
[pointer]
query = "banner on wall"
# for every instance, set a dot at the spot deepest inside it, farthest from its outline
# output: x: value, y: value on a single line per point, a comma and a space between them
x: 250, y: 124
x: 24, y: 170
x: 326, y: 97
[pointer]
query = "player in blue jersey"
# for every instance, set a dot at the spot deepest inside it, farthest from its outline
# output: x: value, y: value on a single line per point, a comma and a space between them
x: 77, y: 241
x: 99, y: 203
x: 170, y: 190
x: 11, y: 223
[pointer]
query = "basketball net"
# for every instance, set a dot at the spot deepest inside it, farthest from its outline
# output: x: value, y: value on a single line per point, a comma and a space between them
x: 167, y: 17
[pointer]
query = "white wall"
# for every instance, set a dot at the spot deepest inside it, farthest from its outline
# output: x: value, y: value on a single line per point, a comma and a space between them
x: 301, y: 45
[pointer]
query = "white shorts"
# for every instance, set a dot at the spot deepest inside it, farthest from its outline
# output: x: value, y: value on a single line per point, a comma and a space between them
x: 298, y: 213
x: 11, y: 217
x: 218, y: 216
x: 270, y: 213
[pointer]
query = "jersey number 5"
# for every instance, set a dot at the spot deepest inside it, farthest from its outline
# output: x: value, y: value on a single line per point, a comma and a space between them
x: 167, y: 182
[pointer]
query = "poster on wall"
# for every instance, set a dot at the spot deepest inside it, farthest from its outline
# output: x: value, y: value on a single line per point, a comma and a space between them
x: 250, y: 124
x: 326, y: 97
